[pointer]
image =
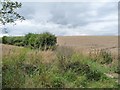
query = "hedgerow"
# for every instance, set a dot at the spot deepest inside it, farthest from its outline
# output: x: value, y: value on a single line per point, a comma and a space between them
x: 42, y: 41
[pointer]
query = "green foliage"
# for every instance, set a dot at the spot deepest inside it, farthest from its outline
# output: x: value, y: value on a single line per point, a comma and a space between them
x: 104, y: 57
x: 8, y: 12
x: 57, y: 81
x: 30, y: 40
x: 24, y: 69
x: 46, y: 41
x: 117, y: 69
x: 85, y: 69
x: 12, y: 77
x: 42, y: 41
x: 4, y: 39
x: 18, y: 41
x: 26, y: 39
x: 12, y: 74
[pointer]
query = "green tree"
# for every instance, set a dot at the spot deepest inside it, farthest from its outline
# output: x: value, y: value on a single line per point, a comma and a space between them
x: 27, y: 37
x: 46, y: 41
x: 8, y: 13
x: 4, y: 40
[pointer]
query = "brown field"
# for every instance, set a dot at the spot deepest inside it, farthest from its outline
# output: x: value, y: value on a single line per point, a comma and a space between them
x: 87, y: 43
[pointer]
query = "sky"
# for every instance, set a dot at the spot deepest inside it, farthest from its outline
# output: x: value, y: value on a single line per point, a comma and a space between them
x: 66, y: 18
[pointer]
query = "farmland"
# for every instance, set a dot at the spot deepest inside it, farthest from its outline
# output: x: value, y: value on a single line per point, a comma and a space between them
x: 86, y: 44
x: 74, y: 63
x: 89, y: 42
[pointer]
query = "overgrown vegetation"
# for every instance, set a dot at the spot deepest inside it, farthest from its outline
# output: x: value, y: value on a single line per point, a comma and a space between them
x: 102, y: 56
x: 42, y: 41
x: 26, y: 68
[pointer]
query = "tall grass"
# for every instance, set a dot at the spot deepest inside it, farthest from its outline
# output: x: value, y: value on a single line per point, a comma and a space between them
x: 62, y: 68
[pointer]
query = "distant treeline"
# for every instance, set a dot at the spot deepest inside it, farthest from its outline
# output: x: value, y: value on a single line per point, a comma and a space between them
x: 42, y: 41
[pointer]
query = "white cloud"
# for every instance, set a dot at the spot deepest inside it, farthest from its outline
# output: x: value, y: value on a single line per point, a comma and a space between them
x: 68, y: 18
x: 67, y: 0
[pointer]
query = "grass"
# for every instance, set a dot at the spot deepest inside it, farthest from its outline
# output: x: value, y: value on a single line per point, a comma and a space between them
x: 62, y: 68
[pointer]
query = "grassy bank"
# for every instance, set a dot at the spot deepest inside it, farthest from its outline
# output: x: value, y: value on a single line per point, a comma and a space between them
x: 27, y: 68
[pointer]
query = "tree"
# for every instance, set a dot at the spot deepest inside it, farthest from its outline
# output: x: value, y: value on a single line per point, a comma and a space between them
x: 8, y: 12
x: 4, y: 39
x: 46, y: 41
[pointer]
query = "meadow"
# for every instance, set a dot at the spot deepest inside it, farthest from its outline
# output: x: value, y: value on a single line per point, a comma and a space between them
x: 76, y: 62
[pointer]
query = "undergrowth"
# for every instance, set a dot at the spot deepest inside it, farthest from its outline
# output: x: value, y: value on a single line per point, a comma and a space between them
x: 23, y: 69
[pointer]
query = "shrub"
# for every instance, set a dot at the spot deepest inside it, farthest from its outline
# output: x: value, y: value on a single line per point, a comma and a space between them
x: 102, y: 56
x: 78, y: 67
x: 85, y: 66
x: 46, y: 41
x: 106, y: 57
x: 7, y: 40
x: 42, y: 41
x: 18, y: 41
x: 4, y: 39
x: 26, y: 39
x: 117, y: 70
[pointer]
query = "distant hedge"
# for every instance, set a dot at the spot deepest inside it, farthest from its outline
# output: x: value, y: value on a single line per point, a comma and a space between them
x: 19, y: 41
x: 42, y: 41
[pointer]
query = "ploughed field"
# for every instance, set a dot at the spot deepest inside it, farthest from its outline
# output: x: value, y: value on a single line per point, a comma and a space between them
x: 89, y: 43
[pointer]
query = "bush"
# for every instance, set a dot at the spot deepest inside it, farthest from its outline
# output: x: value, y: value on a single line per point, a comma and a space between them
x: 4, y: 39
x: 18, y: 41
x: 85, y: 69
x: 102, y: 56
x: 106, y: 57
x: 7, y: 40
x: 46, y: 41
x: 27, y: 37
x: 42, y: 41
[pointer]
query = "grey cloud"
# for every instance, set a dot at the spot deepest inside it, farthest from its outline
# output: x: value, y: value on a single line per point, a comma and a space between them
x: 77, y: 14
x: 67, y: 18
x: 68, y: 13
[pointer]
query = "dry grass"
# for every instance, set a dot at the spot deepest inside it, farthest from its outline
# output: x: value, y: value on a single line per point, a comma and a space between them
x: 31, y: 57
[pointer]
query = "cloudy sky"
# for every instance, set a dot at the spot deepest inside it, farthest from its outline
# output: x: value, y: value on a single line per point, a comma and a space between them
x: 67, y: 18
